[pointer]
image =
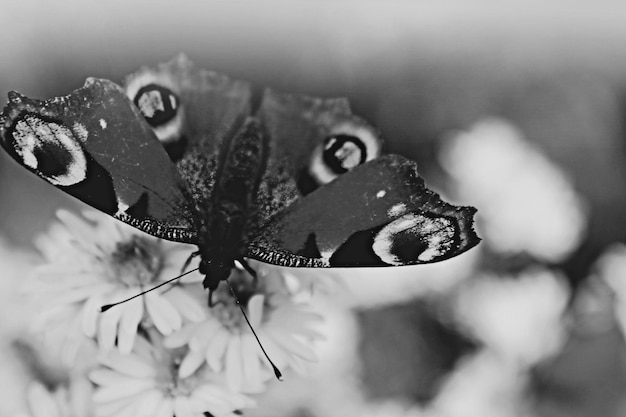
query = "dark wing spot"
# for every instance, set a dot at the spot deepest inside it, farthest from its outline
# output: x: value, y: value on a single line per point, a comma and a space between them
x: 343, y: 152
x: 158, y: 104
x: 357, y: 250
x: 305, y: 182
x: 53, y: 160
x: 97, y: 189
x: 139, y: 210
x: 310, y: 249
x: 407, y: 246
x: 176, y: 150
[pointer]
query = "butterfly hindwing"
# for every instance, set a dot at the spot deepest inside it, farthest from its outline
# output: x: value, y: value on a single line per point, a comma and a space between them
x: 94, y: 145
x: 379, y: 214
x: 311, y: 142
x: 195, y: 113
x: 187, y: 105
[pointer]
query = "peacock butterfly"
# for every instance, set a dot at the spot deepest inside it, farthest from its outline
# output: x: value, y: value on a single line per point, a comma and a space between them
x: 190, y: 155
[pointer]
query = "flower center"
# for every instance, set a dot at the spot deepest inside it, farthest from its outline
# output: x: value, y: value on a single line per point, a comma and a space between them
x: 136, y: 262
x: 168, y: 361
x: 225, y: 307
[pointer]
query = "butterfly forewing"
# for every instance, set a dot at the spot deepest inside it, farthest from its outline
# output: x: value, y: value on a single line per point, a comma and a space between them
x: 379, y: 214
x: 94, y: 145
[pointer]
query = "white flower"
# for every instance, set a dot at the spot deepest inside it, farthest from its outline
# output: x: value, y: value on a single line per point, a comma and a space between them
x: 519, y: 317
x: 95, y: 260
x: 73, y: 400
x: 525, y: 202
x: 611, y: 268
x: 225, y: 342
x: 146, y: 383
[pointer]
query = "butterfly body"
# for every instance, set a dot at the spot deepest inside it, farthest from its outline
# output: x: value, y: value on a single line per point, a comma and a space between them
x: 192, y: 156
x: 226, y: 225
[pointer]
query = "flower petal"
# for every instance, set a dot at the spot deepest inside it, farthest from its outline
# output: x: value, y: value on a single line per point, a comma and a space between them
x: 190, y: 364
x: 127, y: 410
x: 166, y: 408
x: 165, y: 317
x: 278, y: 355
x: 185, y: 304
x: 42, y: 404
x: 91, y: 314
x: 180, y: 337
x: 131, y: 365
x: 104, y: 377
x: 112, y: 408
x: 251, y: 365
x: 107, y: 328
x: 201, y: 338
x: 133, y: 313
x: 182, y: 408
x: 255, y: 310
x: 215, y: 351
x: 147, y: 403
x: 292, y: 345
x: 128, y: 388
x: 234, y: 371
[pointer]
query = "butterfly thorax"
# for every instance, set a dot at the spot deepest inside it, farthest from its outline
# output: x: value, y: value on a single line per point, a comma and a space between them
x: 228, y: 221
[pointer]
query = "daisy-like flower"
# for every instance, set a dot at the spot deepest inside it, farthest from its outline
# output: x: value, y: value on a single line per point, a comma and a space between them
x: 146, y: 383
x: 72, y: 398
x: 610, y: 268
x: 224, y: 341
x: 525, y: 202
x: 519, y: 317
x: 94, y: 260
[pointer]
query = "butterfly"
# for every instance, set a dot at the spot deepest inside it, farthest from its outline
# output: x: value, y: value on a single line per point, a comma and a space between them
x: 190, y: 155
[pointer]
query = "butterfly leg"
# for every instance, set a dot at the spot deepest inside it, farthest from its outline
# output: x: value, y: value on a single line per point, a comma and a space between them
x: 188, y: 261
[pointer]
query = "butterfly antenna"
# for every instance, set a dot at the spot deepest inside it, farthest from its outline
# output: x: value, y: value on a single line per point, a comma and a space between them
x: 277, y: 372
x: 108, y: 306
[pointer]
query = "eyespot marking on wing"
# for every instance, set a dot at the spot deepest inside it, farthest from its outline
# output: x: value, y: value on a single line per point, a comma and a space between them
x: 348, y: 144
x: 395, y: 244
x: 50, y: 149
x: 156, y: 97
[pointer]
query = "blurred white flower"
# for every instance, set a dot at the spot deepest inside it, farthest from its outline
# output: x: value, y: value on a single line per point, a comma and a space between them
x: 94, y: 260
x: 224, y: 341
x: 146, y: 383
x: 71, y: 401
x: 14, y: 318
x: 520, y: 317
x: 332, y: 387
x: 525, y: 202
x: 483, y: 385
x: 611, y: 268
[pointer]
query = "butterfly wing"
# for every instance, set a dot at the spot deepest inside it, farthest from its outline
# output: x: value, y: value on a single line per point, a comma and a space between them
x: 378, y: 214
x: 193, y: 112
x: 312, y: 141
x: 94, y: 145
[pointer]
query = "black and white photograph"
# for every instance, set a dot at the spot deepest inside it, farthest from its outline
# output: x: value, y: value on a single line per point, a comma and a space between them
x: 321, y: 208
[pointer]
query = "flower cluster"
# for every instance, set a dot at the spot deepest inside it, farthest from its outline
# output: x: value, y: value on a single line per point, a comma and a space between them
x: 167, y: 352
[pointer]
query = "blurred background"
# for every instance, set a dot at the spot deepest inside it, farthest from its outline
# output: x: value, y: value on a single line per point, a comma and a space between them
x: 516, y: 108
